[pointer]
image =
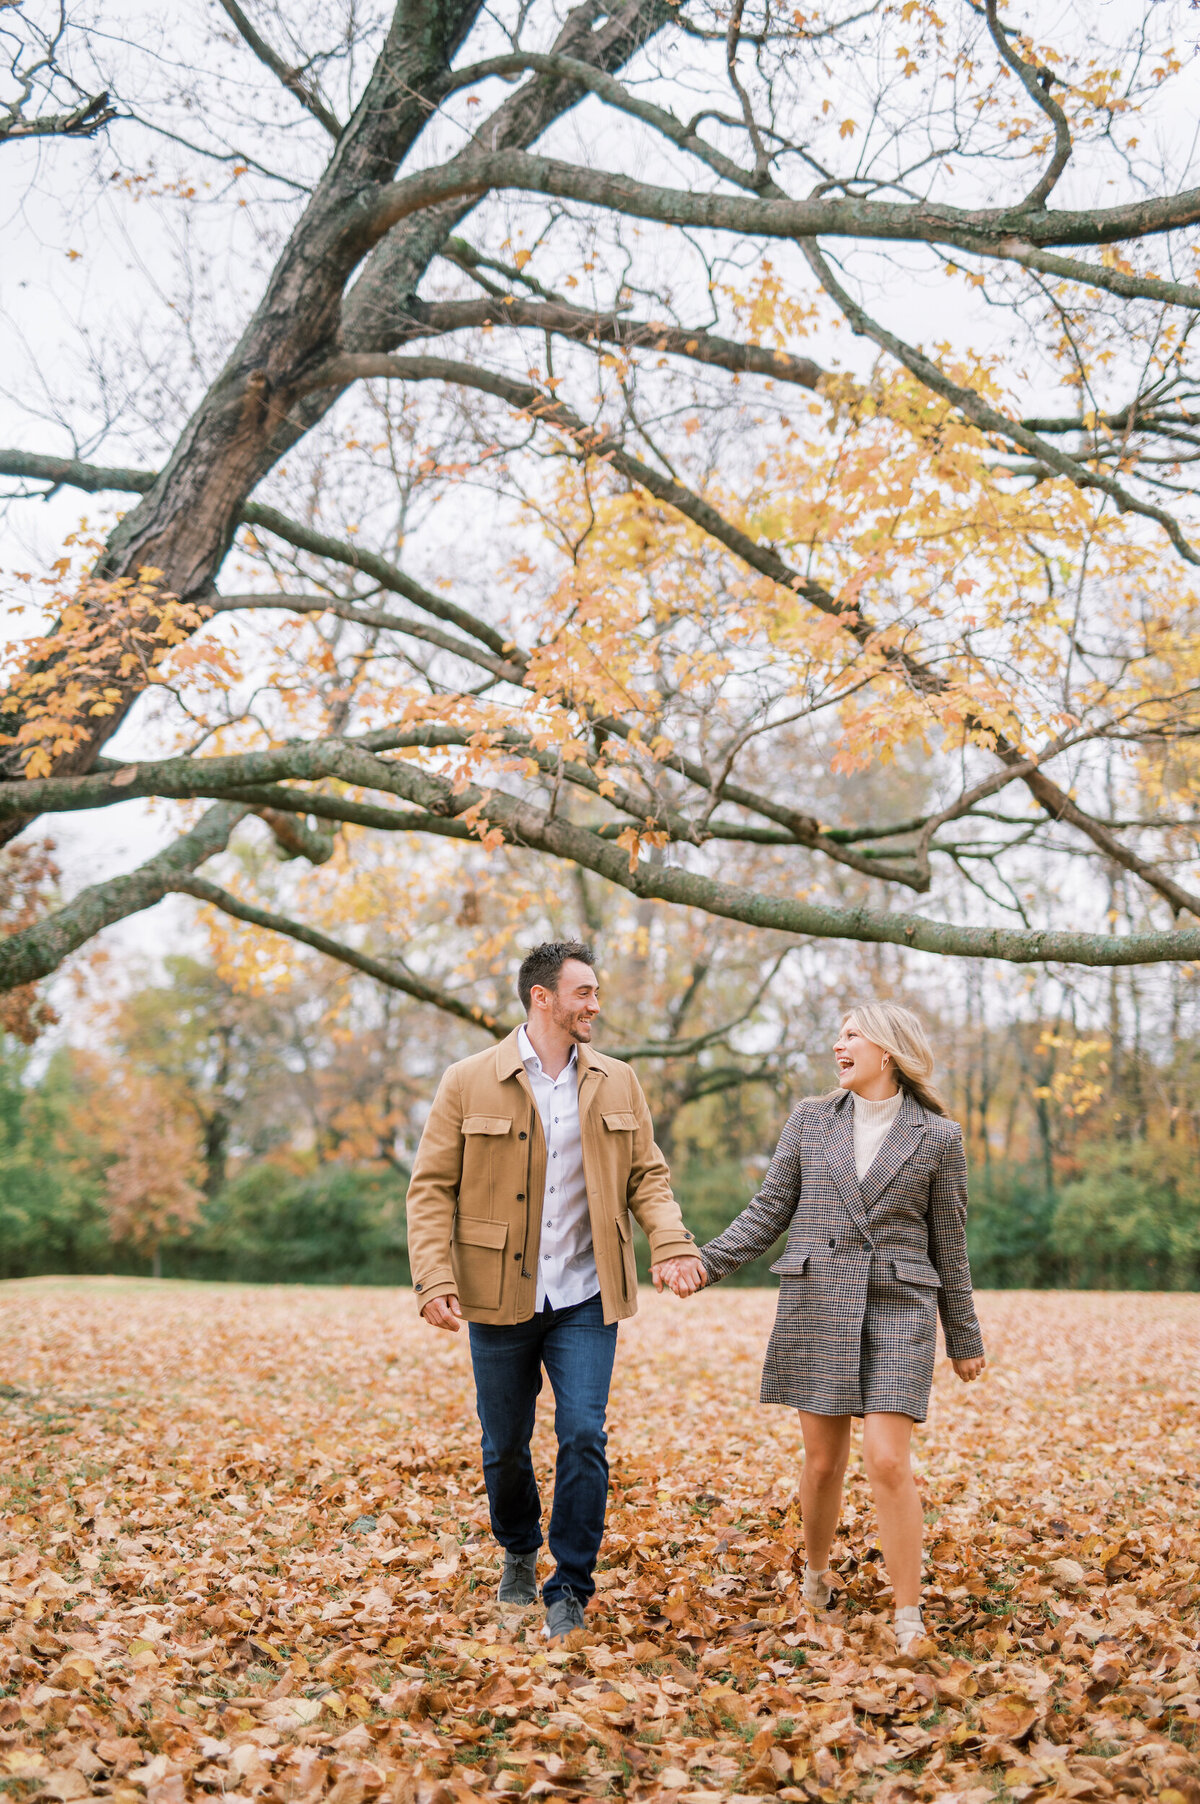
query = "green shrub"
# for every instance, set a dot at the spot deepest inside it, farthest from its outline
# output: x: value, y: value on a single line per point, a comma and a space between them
x: 344, y: 1224
x: 1009, y: 1222
x: 1132, y: 1220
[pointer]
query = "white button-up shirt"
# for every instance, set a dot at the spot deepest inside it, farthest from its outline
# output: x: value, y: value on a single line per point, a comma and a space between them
x: 566, y: 1260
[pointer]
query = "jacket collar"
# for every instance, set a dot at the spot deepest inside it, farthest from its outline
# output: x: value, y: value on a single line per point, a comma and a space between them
x: 509, y: 1062
x: 508, y: 1057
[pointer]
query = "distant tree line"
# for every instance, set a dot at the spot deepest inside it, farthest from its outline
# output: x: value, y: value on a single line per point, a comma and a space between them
x: 134, y: 1160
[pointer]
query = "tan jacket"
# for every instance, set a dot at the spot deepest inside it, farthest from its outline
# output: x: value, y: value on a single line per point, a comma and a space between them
x: 475, y: 1198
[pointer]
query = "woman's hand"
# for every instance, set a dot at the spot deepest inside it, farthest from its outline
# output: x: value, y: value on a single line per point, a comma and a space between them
x: 967, y: 1369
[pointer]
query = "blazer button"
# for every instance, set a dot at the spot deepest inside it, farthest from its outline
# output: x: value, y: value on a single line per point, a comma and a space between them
x: 517, y: 1257
x: 521, y: 1198
x: 832, y: 1241
x: 521, y: 1135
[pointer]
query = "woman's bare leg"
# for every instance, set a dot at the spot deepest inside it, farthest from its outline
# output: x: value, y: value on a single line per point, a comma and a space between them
x: 887, y: 1441
x: 826, y: 1450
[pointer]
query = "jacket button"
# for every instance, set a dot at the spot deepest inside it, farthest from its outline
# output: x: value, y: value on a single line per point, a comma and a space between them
x: 521, y: 1135
x: 520, y: 1196
x: 517, y: 1257
x: 832, y: 1241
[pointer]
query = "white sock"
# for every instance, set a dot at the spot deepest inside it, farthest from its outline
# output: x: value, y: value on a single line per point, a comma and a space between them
x: 818, y: 1586
x: 908, y: 1616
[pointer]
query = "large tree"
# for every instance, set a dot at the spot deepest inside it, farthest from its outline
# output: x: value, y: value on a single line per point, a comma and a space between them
x: 545, y: 499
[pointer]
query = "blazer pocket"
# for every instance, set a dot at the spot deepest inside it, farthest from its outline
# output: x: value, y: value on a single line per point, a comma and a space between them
x: 792, y: 1263
x: 487, y: 1124
x: 620, y: 1121
x: 477, y: 1255
x: 916, y: 1271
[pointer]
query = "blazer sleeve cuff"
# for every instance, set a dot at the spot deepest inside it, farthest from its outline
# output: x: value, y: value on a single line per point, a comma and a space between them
x: 715, y: 1271
x: 964, y: 1343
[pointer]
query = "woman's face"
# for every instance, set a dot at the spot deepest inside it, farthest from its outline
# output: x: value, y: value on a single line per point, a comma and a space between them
x: 861, y: 1064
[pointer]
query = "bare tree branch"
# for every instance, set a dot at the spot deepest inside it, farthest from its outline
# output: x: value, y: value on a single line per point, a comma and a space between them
x: 395, y: 977
x: 40, y: 949
x: 83, y: 121
x: 1036, y: 83
x: 582, y: 326
x: 975, y: 409
x: 291, y: 78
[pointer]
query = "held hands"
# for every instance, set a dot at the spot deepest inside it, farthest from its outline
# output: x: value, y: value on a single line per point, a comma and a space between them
x: 684, y: 1276
x: 443, y: 1312
x: 967, y: 1369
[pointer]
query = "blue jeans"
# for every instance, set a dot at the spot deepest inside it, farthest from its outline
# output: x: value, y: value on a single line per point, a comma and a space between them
x: 577, y: 1348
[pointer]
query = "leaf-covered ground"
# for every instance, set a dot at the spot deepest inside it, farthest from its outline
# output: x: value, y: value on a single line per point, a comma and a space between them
x: 244, y: 1554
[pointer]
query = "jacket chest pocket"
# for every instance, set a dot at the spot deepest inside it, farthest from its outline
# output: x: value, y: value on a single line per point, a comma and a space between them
x: 616, y: 1143
x: 477, y: 1255
x: 487, y: 1142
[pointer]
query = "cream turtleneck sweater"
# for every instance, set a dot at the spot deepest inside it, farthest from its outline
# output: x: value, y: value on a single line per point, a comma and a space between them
x: 871, y: 1123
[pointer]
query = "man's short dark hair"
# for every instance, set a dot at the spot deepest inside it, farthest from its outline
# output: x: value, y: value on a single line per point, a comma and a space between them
x: 544, y: 965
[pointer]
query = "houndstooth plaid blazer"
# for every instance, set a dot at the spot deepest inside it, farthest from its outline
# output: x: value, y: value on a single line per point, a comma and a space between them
x: 856, y: 1324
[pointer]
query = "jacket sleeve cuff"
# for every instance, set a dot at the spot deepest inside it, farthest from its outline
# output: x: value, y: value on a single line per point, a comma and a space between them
x: 673, y: 1245
x: 441, y: 1284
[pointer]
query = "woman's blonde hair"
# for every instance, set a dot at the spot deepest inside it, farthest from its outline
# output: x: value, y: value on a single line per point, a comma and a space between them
x: 902, y: 1034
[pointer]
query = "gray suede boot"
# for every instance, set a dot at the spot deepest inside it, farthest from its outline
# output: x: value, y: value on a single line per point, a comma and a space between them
x: 518, y: 1584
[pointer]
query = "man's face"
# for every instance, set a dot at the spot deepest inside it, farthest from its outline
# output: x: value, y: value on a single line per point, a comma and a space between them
x: 576, y: 1002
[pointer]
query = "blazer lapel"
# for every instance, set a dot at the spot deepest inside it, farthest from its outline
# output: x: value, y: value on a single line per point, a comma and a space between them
x: 839, y: 1156
x: 900, y: 1143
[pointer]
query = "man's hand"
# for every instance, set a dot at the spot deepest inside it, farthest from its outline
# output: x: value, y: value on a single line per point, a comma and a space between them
x: 967, y: 1369
x: 443, y: 1312
x: 684, y: 1276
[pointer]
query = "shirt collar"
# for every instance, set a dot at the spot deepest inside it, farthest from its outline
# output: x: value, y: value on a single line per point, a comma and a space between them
x: 529, y: 1056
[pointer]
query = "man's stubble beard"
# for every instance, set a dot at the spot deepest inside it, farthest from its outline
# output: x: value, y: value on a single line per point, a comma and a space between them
x: 571, y: 1024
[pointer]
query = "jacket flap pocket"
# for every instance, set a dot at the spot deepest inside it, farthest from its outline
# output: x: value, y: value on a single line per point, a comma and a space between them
x: 477, y: 1231
x: 624, y: 1229
x: 486, y: 1124
x: 916, y: 1271
x: 620, y: 1120
x: 792, y: 1263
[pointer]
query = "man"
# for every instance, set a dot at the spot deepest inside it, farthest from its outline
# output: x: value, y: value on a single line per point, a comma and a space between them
x: 534, y: 1155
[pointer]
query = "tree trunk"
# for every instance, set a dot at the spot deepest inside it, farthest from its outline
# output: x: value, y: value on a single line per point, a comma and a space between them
x: 185, y: 524
x: 217, y: 1130
x: 258, y: 406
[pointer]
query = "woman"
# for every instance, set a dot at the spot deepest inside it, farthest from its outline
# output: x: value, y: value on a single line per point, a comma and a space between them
x: 871, y: 1184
